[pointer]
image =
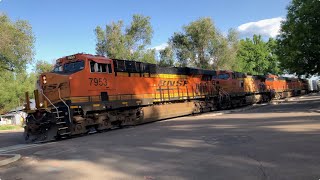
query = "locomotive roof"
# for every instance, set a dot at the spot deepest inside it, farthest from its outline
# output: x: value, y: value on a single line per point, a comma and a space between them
x: 137, y: 66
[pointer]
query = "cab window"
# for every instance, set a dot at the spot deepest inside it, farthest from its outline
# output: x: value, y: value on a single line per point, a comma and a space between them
x: 109, y: 68
x: 100, y: 67
x: 206, y: 78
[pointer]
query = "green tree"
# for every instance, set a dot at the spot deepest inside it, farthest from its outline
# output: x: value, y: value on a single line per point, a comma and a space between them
x: 148, y: 56
x: 182, y: 49
x: 273, y: 59
x: 257, y: 57
x: 16, y: 44
x: 6, y: 87
x: 225, y: 51
x: 193, y: 45
x: 42, y: 66
x: 166, y: 57
x: 202, y: 45
x: 126, y: 43
x: 12, y: 88
x: 16, y: 51
x: 299, y: 39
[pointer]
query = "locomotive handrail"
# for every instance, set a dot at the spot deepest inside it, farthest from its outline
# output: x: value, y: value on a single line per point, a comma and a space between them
x: 41, y: 90
x: 65, y: 104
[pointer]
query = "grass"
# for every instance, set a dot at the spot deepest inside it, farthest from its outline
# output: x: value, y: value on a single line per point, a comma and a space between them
x: 9, y: 127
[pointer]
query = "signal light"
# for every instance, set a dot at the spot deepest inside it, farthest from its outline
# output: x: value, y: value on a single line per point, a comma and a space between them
x: 44, y: 79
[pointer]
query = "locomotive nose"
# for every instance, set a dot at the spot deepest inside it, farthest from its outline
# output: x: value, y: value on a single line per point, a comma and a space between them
x: 52, y: 84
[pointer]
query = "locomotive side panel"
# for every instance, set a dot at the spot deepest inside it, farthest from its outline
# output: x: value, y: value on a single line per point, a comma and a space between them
x: 102, y: 87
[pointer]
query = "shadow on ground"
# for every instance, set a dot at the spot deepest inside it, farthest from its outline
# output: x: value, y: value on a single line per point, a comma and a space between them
x: 274, y: 142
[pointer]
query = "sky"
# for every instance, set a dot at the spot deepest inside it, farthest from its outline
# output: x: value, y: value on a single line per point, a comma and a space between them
x: 65, y: 27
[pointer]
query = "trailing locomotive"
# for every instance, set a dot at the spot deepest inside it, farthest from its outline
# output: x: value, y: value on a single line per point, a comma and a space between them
x: 86, y: 93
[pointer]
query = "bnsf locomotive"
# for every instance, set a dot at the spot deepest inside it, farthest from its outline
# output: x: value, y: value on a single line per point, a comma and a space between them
x: 87, y: 93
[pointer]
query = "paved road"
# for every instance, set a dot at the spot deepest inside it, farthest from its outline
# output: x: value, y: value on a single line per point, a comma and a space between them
x: 272, y: 142
x: 10, y: 138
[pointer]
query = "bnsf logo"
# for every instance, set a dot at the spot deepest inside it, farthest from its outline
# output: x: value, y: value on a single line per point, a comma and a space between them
x: 52, y: 87
x: 173, y: 83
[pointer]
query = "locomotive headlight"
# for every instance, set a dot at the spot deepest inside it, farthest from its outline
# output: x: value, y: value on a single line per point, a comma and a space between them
x: 44, y: 79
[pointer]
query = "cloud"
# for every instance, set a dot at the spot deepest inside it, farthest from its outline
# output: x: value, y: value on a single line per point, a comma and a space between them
x: 265, y: 27
x: 160, y: 47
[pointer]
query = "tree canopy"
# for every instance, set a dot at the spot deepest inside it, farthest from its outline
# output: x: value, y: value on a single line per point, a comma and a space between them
x: 194, y: 45
x: 299, y: 39
x: 225, y: 51
x: 16, y: 51
x: 42, y: 66
x: 166, y: 57
x: 12, y: 88
x: 257, y: 57
x: 131, y: 42
x: 16, y: 44
x: 201, y: 45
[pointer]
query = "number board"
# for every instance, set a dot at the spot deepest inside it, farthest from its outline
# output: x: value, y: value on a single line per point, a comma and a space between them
x: 71, y: 57
x: 98, y: 82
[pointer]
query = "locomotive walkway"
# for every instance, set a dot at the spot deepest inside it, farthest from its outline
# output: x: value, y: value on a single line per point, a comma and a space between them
x: 279, y: 141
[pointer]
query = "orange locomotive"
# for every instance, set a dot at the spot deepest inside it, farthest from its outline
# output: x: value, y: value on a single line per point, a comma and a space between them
x: 87, y: 93
x: 285, y: 87
x: 240, y: 88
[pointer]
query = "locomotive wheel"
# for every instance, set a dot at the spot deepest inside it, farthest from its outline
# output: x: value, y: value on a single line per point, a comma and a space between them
x: 38, y: 138
x: 79, y: 128
x: 27, y: 136
x: 30, y: 137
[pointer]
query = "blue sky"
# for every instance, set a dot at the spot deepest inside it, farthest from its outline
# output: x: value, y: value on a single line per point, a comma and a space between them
x: 64, y: 27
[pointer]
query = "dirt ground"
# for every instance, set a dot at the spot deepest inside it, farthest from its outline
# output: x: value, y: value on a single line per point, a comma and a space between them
x: 280, y: 141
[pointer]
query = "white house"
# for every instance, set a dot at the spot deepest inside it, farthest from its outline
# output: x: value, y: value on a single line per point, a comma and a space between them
x: 15, y: 116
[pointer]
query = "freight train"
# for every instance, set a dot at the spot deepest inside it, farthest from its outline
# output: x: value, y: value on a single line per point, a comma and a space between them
x: 87, y: 93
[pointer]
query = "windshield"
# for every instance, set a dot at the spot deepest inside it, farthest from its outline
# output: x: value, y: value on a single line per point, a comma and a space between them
x: 73, y: 66
x: 57, y: 68
x: 223, y: 76
x: 70, y: 67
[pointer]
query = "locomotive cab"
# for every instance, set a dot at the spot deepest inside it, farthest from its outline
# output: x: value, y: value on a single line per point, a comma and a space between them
x: 73, y: 79
x: 55, y: 85
x: 230, y: 81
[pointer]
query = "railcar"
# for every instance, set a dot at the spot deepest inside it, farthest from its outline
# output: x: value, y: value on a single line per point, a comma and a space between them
x: 279, y: 86
x: 312, y: 85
